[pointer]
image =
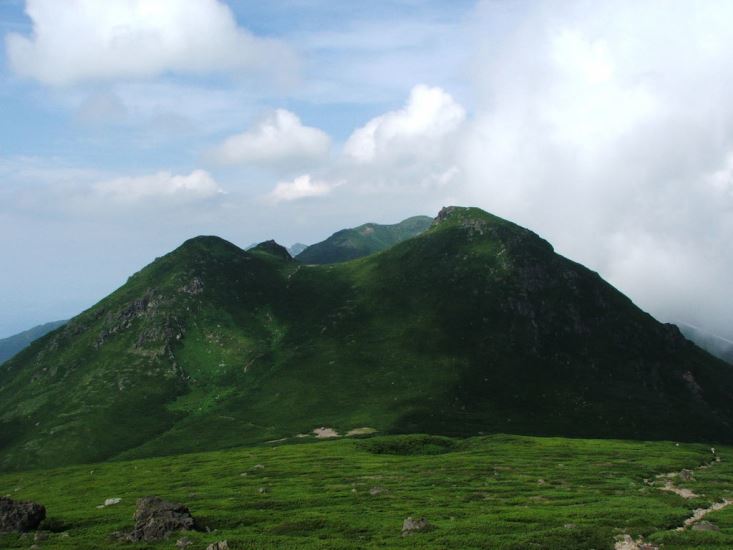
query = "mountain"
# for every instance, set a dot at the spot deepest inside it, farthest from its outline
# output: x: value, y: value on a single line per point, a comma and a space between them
x: 474, y: 326
x: 712, y: 343
x: 296, y: 249
x: 349, y: 244
x: 13, y: 344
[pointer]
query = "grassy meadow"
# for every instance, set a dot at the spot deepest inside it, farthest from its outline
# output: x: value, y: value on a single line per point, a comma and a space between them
x: 484, y: 492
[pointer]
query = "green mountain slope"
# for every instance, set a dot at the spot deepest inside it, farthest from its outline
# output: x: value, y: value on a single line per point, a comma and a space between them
x: 13, y: 344
x: 476, y: 325
x: 349, y: 244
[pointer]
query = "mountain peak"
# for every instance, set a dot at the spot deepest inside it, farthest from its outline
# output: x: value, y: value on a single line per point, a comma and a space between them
x: 207, y: 243
x: 465, y: 214
x: 273, y: 248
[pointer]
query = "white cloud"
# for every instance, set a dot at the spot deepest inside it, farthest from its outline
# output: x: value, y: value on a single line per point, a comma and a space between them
x: 79, y: 40
x: 278, y: 138
x: 301, y: 187
x: 607, y: 128
x: 196, y: 185
x: 430, y: 116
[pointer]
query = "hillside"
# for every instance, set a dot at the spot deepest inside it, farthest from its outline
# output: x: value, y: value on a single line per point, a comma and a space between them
x: 474, y: 326
x: 349, y: 244
x: 13, y: 344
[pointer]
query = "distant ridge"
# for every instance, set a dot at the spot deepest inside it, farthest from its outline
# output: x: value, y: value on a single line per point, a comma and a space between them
x: 13, y: 344
x: 350, y: 244
x: 712, y: 343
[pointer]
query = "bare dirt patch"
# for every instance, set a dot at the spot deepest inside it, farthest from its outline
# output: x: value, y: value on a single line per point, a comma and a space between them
x: 361, y: 431
x: 325, y: 433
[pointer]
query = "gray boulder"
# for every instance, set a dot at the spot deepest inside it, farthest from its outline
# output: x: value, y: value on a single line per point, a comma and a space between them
x: 157, y: 519
x: 16, y: 516
x: 686, y: 475
x: 221, y: 545
x: 410, y: 526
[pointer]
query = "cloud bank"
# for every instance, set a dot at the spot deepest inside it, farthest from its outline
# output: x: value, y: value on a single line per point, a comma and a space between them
x: 196, y: 185
x: 82, y: 40
x: 608, y: 128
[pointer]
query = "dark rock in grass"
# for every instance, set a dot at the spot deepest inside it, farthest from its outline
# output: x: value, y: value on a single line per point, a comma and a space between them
x: 410, y: 526
x: 156, y: 519
x: 221, y: 545
x: 705, y: 526
x: 686, y: 475
x: 18, y: 516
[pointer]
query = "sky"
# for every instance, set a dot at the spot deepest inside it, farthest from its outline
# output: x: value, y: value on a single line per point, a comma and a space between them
x: 128, y: 126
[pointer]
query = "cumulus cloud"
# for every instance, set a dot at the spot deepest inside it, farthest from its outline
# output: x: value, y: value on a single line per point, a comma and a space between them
x: 196, y: 185
x: 607, y: 127
x: 280, y: 138
x: 81, y: 40
x: 300, y: 188
x: 430, y: 116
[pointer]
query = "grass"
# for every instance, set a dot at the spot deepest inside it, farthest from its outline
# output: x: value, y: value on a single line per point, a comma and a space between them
x: 484, y: 492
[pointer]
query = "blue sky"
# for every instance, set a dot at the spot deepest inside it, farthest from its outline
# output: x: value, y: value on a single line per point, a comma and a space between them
x: 130, y: 126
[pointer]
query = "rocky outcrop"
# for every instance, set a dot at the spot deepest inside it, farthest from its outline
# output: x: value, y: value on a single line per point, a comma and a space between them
x: 19, y: 517
x: 157, y: 519
x: 415, y: 525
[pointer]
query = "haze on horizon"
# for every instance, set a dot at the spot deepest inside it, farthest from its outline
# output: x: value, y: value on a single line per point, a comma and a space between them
x: 130, y: 126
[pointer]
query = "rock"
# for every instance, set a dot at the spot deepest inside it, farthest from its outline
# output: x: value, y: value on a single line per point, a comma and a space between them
x: 183, y: 543
x: 221, y: 545
x: 570, y: 526
x: 410, y: 526
x: 40, y: 536
x: 444, y: 213
x: 112, y: 501
x: 263, y: 490
x: 626, y: 542
x: 196, y: 286
x: 374, y: 491
x: 686, y: 475
x: 16, y: 516
x: 705, y: 526
x: 156, y: 519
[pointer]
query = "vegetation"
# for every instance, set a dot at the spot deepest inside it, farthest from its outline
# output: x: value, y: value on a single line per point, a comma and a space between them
x: 497, y: 492
x: 474, y: 326
x: 349, y: 244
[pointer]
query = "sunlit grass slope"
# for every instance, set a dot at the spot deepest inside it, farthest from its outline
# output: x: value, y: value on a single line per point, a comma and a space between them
x: 485, y: 492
